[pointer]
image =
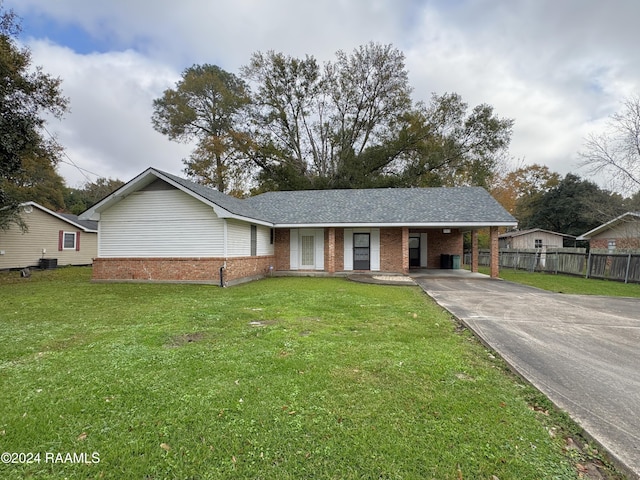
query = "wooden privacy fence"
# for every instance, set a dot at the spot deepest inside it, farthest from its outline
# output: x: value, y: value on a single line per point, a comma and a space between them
x: 622, y: 267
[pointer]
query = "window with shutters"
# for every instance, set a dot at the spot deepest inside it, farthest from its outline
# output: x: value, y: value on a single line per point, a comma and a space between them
x: 69, y: 241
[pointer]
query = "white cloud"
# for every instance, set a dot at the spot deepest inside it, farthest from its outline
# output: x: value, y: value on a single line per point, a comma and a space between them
x: 557, y: 68
x: 108, y: 130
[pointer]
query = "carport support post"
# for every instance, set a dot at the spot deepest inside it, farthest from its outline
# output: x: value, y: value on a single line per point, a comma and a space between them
x: 405, y: 250
x: 495, y: 252
x: 474, y: 251
x: 331, y: 250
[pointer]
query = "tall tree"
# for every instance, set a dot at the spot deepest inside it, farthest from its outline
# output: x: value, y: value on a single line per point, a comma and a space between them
x: 574, y: 206
x: 518, y: 189
x: 313, y: 125
x: 205, y: 106
x: 616, y: 152
x: 38, y: 181
x: 26, y: 95
x: 77, y: 200
x: 455, y: 146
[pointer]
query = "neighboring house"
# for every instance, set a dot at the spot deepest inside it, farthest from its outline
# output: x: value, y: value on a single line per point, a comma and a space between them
x: 532, y: 238
x: 621, y: 233
x: 59, y: 238
x: 165, y: 228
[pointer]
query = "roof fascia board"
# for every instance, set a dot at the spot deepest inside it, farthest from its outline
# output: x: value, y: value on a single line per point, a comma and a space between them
x: 141, y: 181
x: 399, y: 224
x: 223, y: 213
x: 59, y: 217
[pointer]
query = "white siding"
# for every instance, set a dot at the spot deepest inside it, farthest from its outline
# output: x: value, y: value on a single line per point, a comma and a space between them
x: 294, y: 251
x: 160, y: 223
x: 348, y: 249
x: 239, y: 238
x: 374, y: 253
x: 265, y: 247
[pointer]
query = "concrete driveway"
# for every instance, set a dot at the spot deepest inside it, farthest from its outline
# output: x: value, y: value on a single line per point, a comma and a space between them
x: 582, y: 352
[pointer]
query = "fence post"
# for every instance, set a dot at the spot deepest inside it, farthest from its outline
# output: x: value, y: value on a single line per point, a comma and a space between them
x: 588, y: 265
x: 626, y: 275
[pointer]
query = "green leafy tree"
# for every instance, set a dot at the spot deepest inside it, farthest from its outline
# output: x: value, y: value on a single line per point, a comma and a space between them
x: 77, y: 200
x: 455, y: 146
x: 519, y: 189
x: 327, y: 126
x: 26, y: 95
x: 574, y: 207
x: 37, y: 180
x: 206, y: 106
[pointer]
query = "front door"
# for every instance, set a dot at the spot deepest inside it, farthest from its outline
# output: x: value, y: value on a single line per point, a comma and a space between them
x: 361, y: 251
x: 307, y: 252
x: 414, y: 251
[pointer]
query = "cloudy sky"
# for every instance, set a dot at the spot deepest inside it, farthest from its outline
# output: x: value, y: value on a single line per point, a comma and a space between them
x: 559, y: 68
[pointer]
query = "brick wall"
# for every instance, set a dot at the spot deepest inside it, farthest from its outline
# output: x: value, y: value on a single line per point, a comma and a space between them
x: 391, y: 249
x: 282, y: 248
x: 621, y: 243
x: 439, y: 243
x: 181, y: 269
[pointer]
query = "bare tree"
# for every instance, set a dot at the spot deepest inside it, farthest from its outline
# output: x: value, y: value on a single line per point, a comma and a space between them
x: 616, y: 152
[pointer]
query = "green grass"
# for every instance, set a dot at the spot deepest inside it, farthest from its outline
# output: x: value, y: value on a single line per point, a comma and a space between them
x: 284, y: 378
x: 569, y: 284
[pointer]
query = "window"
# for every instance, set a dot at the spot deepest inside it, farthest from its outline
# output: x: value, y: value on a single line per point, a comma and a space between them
x: 538, y: 242
x: 68, y: 240
x: 612, y: 245
x: 254, y: 240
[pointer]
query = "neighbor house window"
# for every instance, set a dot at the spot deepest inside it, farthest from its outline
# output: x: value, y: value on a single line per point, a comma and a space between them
x: 538, y: 242
x: 612, y: 245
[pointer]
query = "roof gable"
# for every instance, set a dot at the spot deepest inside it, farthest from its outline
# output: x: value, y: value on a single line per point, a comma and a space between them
x: 628, y: 216
x: 73, y: 220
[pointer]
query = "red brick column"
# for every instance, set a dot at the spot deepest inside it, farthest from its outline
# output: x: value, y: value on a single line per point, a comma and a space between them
x: 405, y: 249
x: 495, y: 265
x: 330, y: 255
x: 474, y: 250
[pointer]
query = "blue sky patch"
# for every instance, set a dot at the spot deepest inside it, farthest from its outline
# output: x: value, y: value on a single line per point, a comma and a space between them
x: 68, y: 35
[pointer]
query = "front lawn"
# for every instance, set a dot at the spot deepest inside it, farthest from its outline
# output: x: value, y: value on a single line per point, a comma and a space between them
x: 284, y: 378
x: 569, y: 284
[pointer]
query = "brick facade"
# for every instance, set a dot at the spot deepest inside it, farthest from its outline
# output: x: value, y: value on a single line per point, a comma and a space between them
x: 394, y: 257
x: 391, y: 250
x: 205, y: 270
x: 621, y: 243
x: 438, y: 243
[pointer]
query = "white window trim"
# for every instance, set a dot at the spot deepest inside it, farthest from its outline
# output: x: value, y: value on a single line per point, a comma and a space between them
x: 64, y: 242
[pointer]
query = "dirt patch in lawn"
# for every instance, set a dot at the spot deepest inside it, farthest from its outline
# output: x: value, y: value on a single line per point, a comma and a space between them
x: 184, y: 339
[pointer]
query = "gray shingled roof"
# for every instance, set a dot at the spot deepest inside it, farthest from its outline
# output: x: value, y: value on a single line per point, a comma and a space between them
x: 459, y: 205
x: 234, y: 205
x: 88, y: 224
x: 384, y: 206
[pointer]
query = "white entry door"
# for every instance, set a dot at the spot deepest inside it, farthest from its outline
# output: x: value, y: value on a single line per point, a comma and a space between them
x: 307, y: 252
